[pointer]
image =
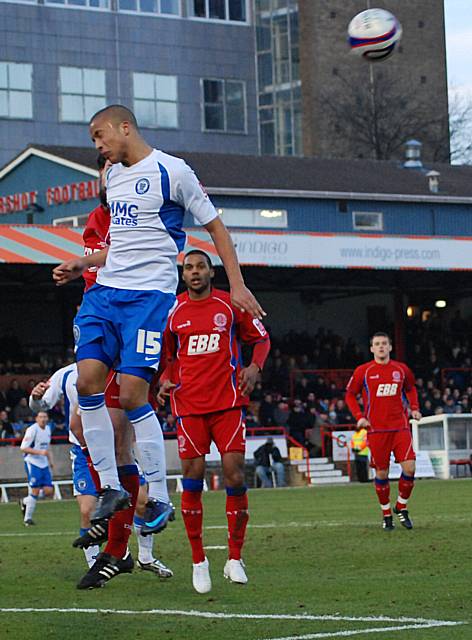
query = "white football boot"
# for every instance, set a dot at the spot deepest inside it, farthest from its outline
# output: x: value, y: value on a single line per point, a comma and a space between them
x: 201, y: 577
x: 234, y: 571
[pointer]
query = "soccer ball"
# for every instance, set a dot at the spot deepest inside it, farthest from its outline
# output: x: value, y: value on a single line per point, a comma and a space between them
x: 373, y: 34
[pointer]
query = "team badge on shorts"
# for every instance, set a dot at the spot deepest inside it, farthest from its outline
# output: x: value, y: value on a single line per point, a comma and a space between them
x: 142, y: 186
x: 220, y: 321
x: 181, y: 443
x: 82, y: 484
x: 76, y: 332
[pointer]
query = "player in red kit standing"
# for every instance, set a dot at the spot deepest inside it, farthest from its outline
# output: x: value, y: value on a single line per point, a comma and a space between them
x: 209, y: 389
x: 387, y: 386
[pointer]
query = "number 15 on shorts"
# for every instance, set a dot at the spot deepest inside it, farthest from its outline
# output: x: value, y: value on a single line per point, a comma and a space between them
x: 148, y: 342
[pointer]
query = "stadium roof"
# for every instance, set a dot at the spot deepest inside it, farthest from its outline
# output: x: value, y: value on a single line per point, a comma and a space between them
x: 230, y: 174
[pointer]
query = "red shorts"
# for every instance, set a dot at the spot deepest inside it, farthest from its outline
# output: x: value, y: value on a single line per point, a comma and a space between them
x: 226, y: 428
x: 112, y: 392
x: 382, y: 443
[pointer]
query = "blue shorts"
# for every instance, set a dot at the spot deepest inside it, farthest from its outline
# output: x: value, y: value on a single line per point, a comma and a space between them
x: 81, y: 477
x: 38, y: 476
x: 122, y: 327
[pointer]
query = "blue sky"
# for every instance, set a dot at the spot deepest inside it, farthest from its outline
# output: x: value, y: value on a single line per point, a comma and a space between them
x: 459, y: 44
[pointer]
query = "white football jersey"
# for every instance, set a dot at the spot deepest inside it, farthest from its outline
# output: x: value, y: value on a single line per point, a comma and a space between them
x: 62, y: 384
x: 147, y: 205
x: 37, y: 438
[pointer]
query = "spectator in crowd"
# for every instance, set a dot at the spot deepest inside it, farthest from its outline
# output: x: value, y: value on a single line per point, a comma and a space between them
x: 169, y: 425
x: 22, y: 412
x: 6, y: 427
x: 281, y: 413
x: 298, y: 421
x: 267, y: 411
x: 342, y: 415
x: 268, y: 459
x: 14, y: 394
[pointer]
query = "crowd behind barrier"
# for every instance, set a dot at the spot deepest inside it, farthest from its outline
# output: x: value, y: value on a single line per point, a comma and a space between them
x: 301, y: 388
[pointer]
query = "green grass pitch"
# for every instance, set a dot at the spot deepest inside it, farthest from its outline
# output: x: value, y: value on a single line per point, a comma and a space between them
x: 314, y: 555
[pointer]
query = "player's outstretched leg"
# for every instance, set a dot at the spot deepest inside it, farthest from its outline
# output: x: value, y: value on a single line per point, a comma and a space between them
x: 120, y: 525
x: 109, y: 501
x: 100, y: 439
x: 405, y: 487
x: 192, y: 515
x: 146, y: 559
x: 28, y: 505
x: 150, y: 444
x: 382, y: 488
x: 238, y: 516
x: 105, y: 568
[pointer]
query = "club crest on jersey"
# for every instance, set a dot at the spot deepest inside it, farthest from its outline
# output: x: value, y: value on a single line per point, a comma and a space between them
x: 220, y: 321
x: 259, y: 326
x: 396, y: 375
x: 142, y: 186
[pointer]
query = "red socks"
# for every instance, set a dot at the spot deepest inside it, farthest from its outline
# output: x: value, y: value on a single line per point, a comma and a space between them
x: 238, y: 515
x: 405, y: 487
x: 192, y: 514
x: 382, y: 488
x: 121, y: 524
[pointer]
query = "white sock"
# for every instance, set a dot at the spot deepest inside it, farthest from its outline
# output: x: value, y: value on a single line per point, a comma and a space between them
x: 30, y: 504
x: 151, y: 450
x: 91, y: 554
x: 100, y: 439
x: 145, y: 543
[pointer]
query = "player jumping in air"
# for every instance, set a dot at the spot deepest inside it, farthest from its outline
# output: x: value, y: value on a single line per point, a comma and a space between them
x: 209, y: 389
x: 122, y: 317
x: 387, y: 386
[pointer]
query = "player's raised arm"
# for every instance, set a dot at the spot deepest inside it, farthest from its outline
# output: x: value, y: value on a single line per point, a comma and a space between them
x: 72, y: 269
x: 190, y: 194
x: 241, y: 297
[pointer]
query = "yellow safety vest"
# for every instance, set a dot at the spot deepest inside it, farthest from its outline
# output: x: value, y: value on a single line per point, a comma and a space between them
x: 359, y: 442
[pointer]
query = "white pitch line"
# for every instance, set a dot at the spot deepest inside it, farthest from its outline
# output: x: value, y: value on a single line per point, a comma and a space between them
x: 216, y: 547
x: 355, y: 632
x: 239, y: 616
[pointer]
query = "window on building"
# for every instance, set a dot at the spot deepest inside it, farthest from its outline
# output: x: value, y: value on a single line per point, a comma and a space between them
x: 229, y: 10
x: 90, y: 4
x: 82, y: 93
x: 155, y: 100
x: 265, y: 218
x: 224, y: 105
x: 278, y: 65
x: 71, y: 221
x: 367, y: 221
x: 164, y: 7
x: 16, y: 90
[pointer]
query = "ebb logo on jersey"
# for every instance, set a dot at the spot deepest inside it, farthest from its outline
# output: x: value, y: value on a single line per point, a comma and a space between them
x: 124, y: 213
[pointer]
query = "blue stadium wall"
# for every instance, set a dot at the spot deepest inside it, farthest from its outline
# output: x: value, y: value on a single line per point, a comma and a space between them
x: 322, y: 215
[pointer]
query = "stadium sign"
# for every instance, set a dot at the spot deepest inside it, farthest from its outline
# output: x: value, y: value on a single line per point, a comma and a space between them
x: 52, y: 196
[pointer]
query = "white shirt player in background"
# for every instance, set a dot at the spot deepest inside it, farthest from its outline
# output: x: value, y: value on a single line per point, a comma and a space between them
x: 38, y: 463
x: 45, y: 396
x: 148, y: 193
